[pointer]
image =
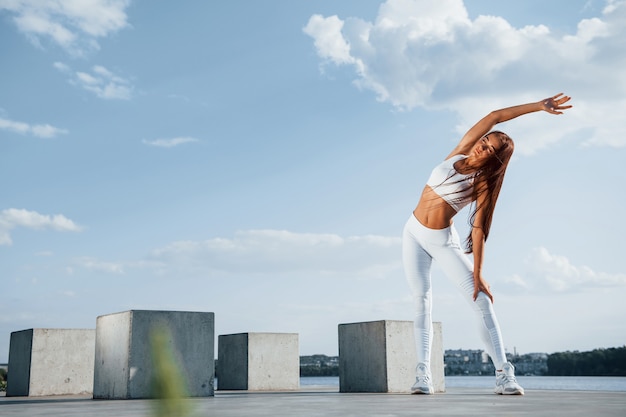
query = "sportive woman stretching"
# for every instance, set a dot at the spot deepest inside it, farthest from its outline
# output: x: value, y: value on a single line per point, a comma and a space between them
x: 472, y: 173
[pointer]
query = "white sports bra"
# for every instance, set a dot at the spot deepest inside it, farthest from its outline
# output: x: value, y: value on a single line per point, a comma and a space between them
x: 456, y: 189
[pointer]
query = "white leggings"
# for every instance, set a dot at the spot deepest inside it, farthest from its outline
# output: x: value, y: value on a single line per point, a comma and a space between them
x: 420, y: 245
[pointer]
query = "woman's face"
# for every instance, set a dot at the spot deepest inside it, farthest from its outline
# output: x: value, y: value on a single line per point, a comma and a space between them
x: 486, y: 147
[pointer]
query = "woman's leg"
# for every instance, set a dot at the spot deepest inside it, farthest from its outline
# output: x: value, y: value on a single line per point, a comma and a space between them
x: 417, y: 263
x: 458, y: 267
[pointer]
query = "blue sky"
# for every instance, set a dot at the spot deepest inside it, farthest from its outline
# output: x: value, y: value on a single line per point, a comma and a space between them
x: 259, y: 160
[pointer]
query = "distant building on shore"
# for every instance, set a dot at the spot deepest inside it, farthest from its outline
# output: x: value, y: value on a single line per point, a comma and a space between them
x: 476, y: 362
x: 319, y: 365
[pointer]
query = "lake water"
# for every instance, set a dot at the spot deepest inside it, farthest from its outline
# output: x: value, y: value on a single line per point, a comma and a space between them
x: 582, y: 383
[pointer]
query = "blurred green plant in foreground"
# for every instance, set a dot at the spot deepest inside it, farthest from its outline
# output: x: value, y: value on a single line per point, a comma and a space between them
x: 168, y: 383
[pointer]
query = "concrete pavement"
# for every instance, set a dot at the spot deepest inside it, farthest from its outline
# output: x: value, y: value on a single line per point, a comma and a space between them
x: 307, y: 402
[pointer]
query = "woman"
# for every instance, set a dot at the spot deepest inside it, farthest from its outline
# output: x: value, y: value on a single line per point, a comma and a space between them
x: 472, y: 173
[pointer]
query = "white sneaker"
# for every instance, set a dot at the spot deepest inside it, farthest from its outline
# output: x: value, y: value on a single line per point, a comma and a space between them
x: 506, y: 383
x: 423, y: 381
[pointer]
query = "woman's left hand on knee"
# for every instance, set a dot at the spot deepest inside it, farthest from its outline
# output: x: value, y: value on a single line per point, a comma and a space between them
x: 480, y: 285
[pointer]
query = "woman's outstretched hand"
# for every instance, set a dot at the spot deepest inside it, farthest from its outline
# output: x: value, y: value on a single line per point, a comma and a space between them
x: 555, y: 104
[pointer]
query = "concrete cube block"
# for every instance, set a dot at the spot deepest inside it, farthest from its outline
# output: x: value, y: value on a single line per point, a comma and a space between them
x: 51, y: 362
x: 379, y: 356
x: 258, y: 362
x: 124, y: 358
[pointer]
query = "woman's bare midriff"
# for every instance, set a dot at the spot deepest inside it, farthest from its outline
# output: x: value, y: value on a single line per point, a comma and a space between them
x: 432, y: 211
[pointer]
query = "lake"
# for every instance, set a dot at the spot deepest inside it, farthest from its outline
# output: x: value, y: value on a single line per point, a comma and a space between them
x: 569, y: 383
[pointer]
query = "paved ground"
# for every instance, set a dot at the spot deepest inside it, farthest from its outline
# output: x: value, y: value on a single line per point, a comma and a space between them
x: 328, y: 402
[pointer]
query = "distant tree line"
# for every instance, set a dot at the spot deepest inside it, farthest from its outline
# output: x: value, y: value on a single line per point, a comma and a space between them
x: 598, y: 362
x: 3, y: 379
x: 319, y: 365
x: 321, y: 371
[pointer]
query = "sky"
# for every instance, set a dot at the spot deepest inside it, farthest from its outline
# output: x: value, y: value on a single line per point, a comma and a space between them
x: 259, y: 160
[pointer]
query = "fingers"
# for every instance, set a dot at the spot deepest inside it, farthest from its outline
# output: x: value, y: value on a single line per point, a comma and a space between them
x: 562, y: 100
x: 488, y: 293
x: 484, y: 290
x: 558, y: 100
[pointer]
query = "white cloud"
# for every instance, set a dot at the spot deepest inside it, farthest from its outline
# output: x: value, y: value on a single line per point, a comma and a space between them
x: 12, y: 218
x: 279, y: 251
x: 40, y: 131
x: 420, y: 53
x: 100, y: 81
x: 62, y: 67
x: 328, y: 40
x: 96, y: 265
x: 73, y: 25
x: 547, y: 272
x: 169, y: 143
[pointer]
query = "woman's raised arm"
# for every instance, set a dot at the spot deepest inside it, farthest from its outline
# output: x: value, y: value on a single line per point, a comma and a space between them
x: 553, y: 105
